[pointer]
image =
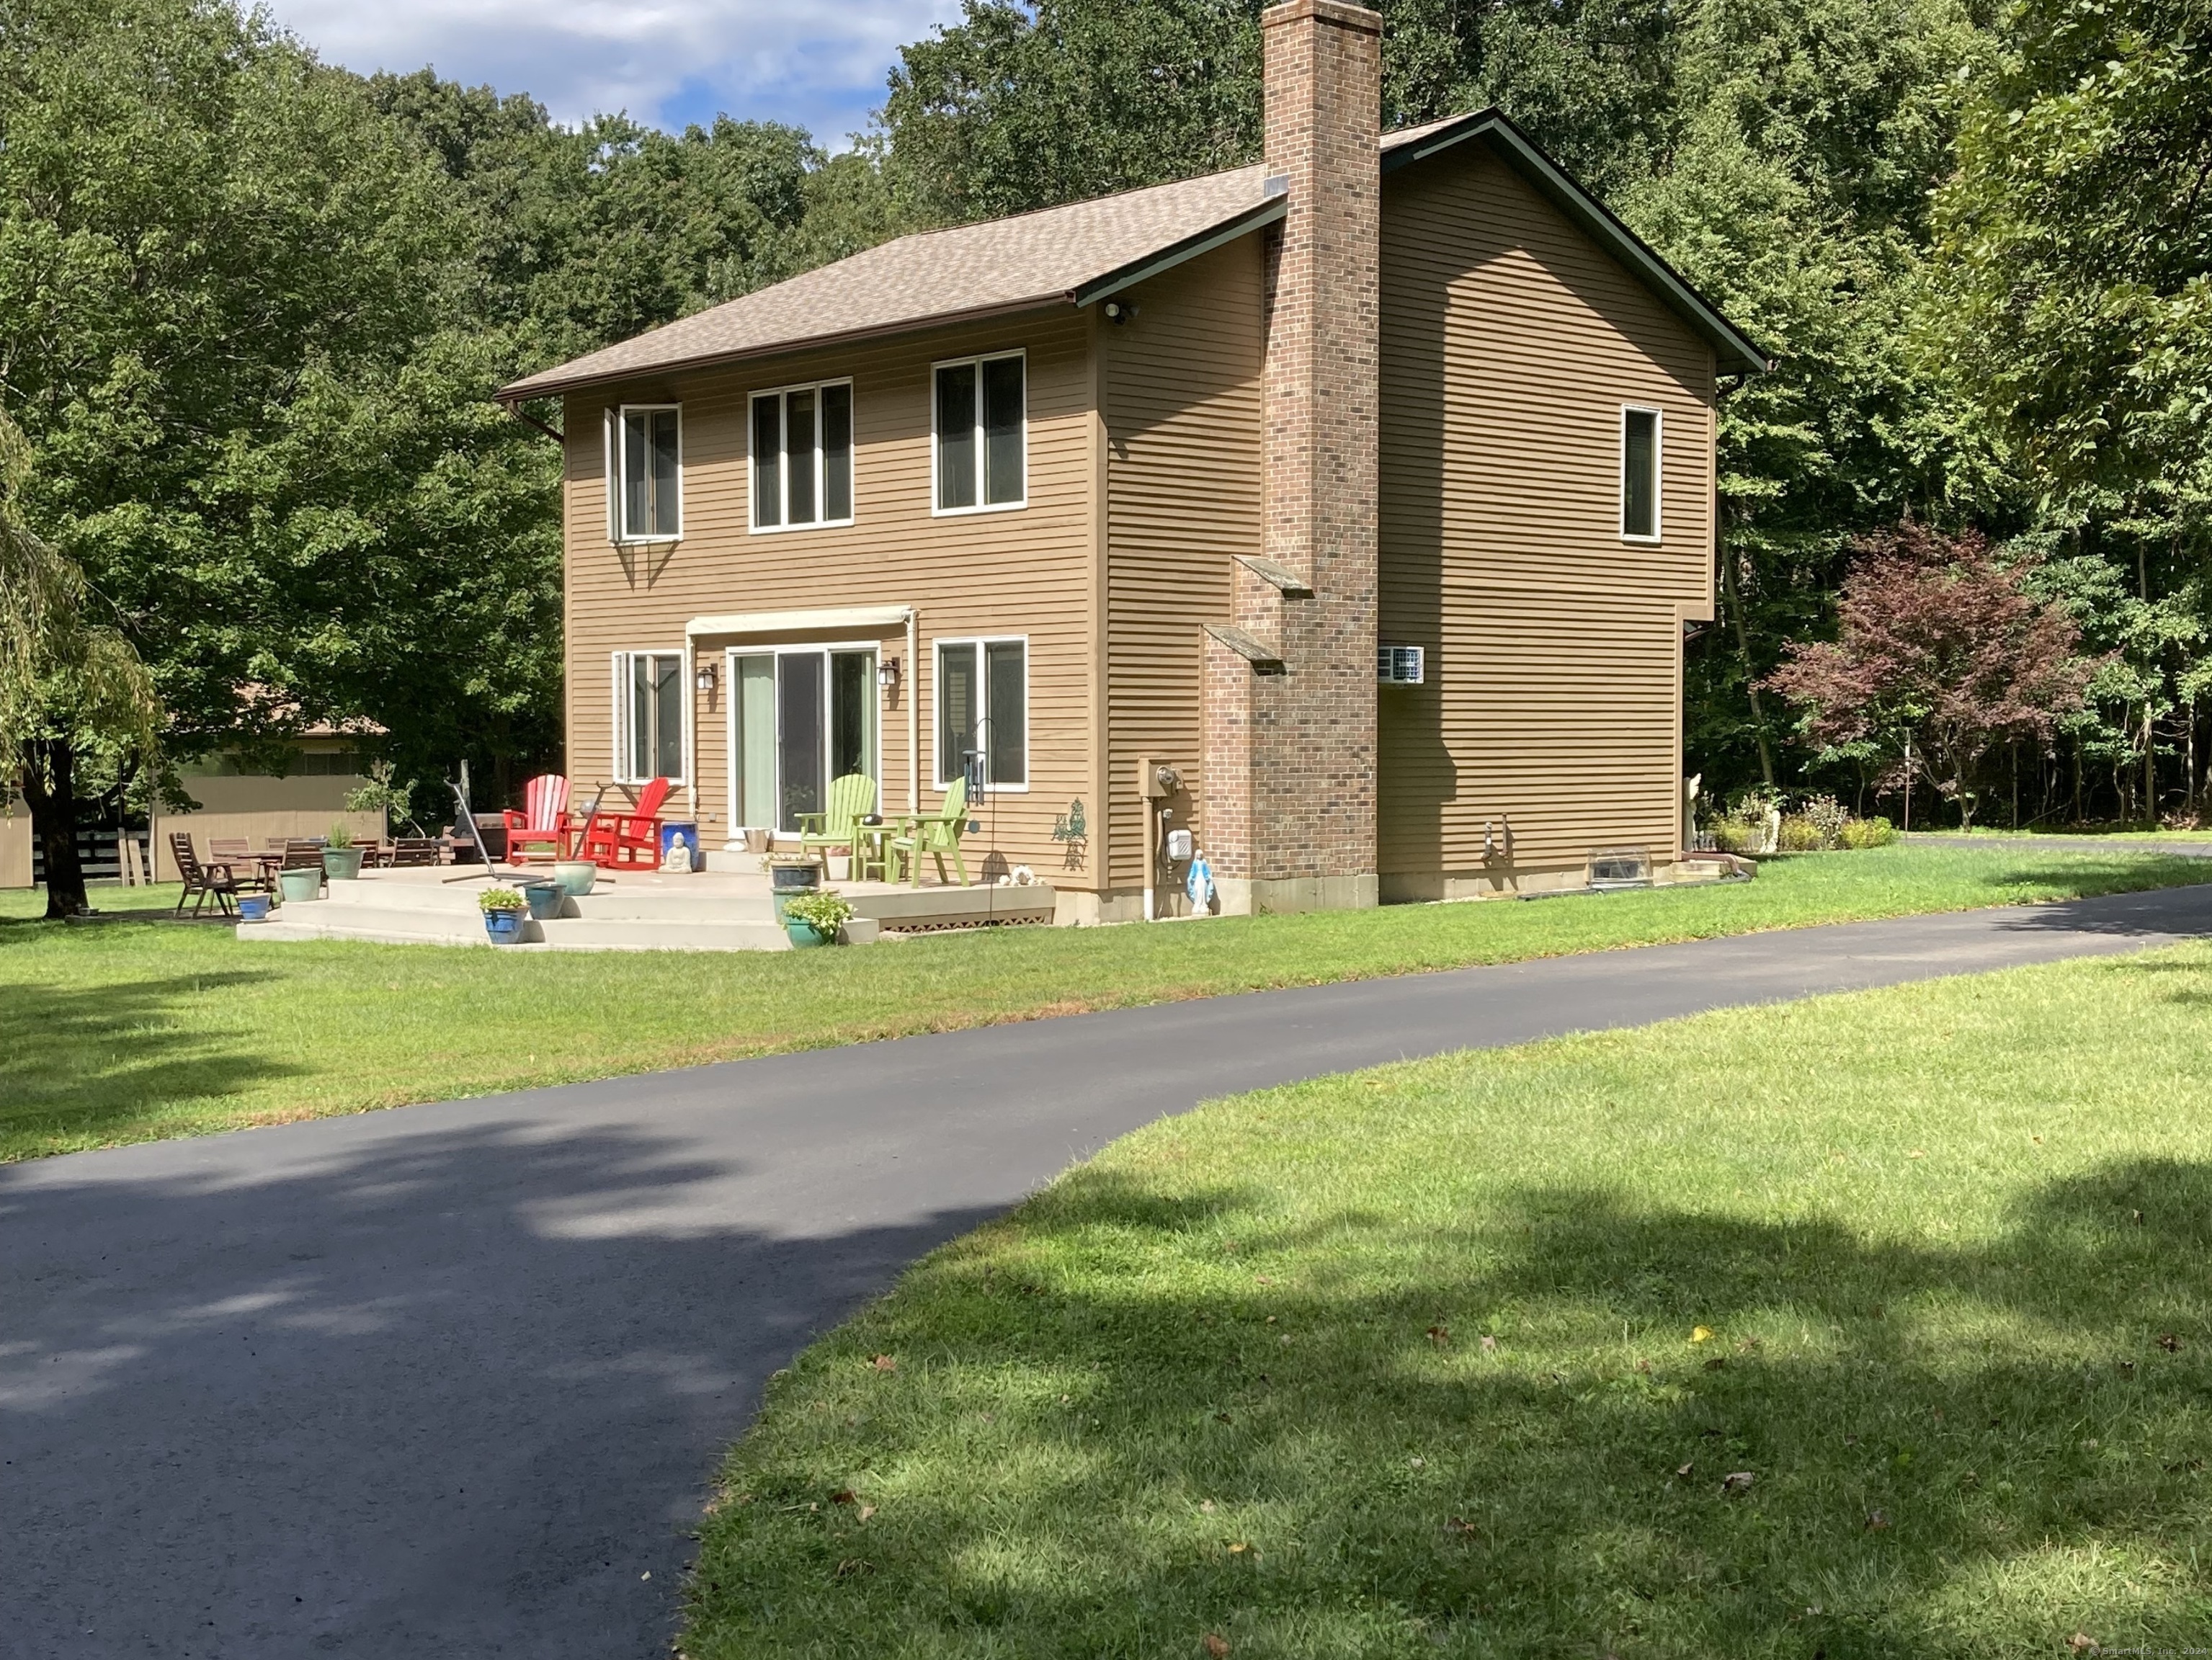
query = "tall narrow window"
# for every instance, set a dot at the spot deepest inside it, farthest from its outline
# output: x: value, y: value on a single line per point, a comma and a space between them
x: 1639, y: 475
x: 649, y: 716
x: 982, y: 706
x: 803, y: 456
x: 983, y: 439
x: 649, y: 475
x: 956, y: 437
x: 837, y: 452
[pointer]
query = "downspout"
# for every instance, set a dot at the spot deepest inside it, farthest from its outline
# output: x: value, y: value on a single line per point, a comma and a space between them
x: 913, y: 712
x: 515, y: 410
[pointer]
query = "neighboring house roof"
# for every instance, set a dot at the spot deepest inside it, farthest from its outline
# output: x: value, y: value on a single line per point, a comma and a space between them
x: 1077, y: 255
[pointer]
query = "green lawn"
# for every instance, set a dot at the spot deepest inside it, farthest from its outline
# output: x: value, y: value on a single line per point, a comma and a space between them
x: 1459, y: 1357
x: 137, y: 1027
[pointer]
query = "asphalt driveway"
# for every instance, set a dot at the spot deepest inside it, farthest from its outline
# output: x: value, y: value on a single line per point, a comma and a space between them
x: 451, y: 1380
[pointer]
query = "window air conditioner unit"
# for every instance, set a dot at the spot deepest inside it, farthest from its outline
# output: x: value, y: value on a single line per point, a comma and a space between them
x: 1401, y: 665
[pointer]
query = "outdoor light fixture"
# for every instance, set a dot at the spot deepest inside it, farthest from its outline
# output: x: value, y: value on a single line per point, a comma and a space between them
x: 1117, y: 311
x: 887, y: 674
x: 705, y: 679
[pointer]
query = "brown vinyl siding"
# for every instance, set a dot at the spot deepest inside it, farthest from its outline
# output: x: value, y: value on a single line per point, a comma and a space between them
x: 1022, y: 571
x: 1183, y: 398
x: 1510, y: 343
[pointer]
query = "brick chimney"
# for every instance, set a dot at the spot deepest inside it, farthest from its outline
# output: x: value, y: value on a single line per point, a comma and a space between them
x: 1289, y: 774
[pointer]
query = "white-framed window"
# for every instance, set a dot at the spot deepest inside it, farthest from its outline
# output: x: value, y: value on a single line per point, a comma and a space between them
x: 1640, y: 430
x: 979, y: 448
x: 983, y: 705
x: 802, y: 447
x: 652, y: 703
x: 644, y: 472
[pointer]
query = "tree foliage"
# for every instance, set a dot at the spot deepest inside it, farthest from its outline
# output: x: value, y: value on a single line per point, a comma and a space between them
x: 1940, y: 653
x: 253, y: 307
x: 68, y: 685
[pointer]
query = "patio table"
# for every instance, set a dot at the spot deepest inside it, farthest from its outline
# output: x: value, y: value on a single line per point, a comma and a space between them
x: 876, y: 838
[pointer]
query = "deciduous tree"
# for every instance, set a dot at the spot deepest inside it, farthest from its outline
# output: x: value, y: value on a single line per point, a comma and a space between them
x: 1941, y: 653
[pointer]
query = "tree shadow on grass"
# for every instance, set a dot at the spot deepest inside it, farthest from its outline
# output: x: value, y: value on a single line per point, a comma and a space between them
x: 1969, y: 1451
x: 92, y: 1063
x: 2091, y: 879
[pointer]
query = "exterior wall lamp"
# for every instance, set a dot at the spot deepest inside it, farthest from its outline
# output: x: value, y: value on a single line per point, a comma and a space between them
x: 887, y: 675
x: 706, y: 678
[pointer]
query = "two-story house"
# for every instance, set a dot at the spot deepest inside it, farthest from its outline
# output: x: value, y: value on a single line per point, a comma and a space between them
x: 1345, y: 510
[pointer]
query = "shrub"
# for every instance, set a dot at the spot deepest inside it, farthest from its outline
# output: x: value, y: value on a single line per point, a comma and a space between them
x: 1869, y: 833
x: 1733, y: 836
x: 501, y: 899
x: 340, y: 837
x: 1800, y: 835
x: 1827, y: 816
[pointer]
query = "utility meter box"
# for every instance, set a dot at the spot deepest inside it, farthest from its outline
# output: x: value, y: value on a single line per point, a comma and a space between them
x: 1155, y: 780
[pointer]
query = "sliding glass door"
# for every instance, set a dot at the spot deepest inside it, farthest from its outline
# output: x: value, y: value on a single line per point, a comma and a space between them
x: 800, y: 716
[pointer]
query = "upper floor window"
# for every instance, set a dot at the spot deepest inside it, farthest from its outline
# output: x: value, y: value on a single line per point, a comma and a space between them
x: 1639, y: 474
x: 645, y: 455
x: 982, y: 442
x: 803, y: 456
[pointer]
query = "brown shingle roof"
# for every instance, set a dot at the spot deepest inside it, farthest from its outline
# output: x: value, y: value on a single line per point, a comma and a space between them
x: 1069, y: 254
x: 1001, y: 264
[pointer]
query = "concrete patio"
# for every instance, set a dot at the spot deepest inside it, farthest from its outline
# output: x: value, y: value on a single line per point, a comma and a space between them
x: 631, y: 910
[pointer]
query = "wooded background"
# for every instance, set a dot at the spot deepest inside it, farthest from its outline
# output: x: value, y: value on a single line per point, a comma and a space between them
x: 253, y: 307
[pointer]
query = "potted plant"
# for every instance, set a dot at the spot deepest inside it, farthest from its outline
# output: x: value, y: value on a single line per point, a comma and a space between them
x: 813, y: 919
x: 340, y: 859
x: 503, y: 910
x: 545, y: 898
x: 299, y: 883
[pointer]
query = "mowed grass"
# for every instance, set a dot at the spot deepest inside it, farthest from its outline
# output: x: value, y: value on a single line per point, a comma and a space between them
x: 1872, y: 1326
x: 137, y: 1027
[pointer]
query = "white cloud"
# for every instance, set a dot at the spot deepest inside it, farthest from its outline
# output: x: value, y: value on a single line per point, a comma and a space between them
x: 820, y: 63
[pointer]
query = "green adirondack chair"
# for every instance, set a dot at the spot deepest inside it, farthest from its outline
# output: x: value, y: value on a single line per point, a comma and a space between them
x: 937, y: 835
x: 852, y: 798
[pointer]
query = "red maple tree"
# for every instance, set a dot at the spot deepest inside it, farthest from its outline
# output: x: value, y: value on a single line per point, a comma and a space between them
x: 1941, y: 653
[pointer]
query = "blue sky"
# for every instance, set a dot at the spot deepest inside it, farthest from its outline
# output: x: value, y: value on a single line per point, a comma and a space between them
x: 819, y: 64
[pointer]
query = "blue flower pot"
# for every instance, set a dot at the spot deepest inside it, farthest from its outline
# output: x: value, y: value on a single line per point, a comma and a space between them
x: 545, y: 899
x: 254, y: 907
x: 505, y: 927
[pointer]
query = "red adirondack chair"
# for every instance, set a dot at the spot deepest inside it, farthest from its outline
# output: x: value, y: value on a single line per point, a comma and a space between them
x: 619, y: 840
x: 540, y: 832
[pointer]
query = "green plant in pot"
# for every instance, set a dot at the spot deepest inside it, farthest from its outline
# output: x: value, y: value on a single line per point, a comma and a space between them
x: 813, y: 919
x: 503, y: 910
x: 340, y: 859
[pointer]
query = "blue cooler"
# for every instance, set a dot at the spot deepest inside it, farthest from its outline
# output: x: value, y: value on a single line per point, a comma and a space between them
x: 678, y: 830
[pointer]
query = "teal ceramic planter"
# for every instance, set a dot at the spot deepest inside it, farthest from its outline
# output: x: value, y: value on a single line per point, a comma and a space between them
x: 342, y: 864
x: 546, y: 899
x: 575, y: 876
x: 299, y: 886
x: 804, y: 935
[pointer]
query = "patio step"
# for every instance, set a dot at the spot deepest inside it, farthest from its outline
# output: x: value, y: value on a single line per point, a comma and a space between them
x: 633, y: 933
x: 383, y: 927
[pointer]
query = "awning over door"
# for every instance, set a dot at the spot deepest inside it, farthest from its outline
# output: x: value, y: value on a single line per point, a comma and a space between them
x: 860, y: 621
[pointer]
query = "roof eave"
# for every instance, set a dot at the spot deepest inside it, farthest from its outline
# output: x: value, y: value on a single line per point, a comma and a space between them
x: 1276, y: 205
x: 555, y: 385
x: 1738, y: 351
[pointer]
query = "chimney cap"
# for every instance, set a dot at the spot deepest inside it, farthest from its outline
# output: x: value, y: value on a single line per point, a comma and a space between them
x: 1327, y: 11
